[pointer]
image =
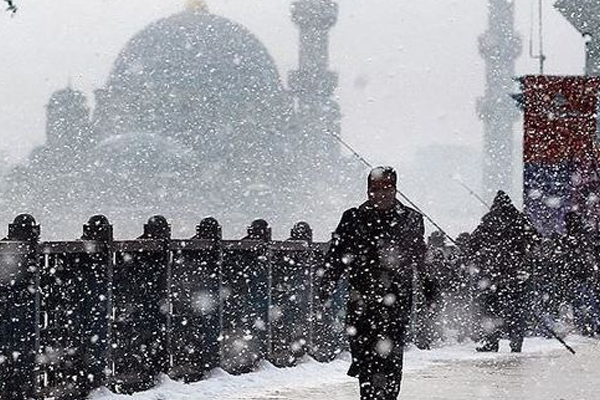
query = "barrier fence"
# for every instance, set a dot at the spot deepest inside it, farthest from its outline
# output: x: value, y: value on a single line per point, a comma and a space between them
x: 78, y: 315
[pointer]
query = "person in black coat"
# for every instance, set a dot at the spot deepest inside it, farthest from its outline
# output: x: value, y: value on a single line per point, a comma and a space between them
x: 426, y: 325
x: 581, y: 270
x: 501, y: 246
x: 379, y: 246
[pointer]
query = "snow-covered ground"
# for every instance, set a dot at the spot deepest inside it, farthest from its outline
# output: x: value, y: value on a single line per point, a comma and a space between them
x: 311, y: 374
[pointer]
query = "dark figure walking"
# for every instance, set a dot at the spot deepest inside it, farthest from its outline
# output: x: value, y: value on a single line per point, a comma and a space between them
x: 378, y: 245
x: 426, y: 326
x: 581, y: 274
x: 501, y: 245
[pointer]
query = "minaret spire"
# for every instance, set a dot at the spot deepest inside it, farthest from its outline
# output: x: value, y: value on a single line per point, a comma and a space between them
x: 499, y: 46
x: 313, y: 84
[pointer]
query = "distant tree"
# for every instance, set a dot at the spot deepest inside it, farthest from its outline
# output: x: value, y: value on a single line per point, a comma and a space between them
x: 11, y: 7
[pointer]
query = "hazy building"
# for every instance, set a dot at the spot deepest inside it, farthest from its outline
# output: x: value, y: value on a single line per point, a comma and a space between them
x: 499, y: 46
x: 195, y: 120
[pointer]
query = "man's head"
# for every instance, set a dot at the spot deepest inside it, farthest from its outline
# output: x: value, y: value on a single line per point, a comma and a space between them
x: 501, y: 201
x: 382, y: 187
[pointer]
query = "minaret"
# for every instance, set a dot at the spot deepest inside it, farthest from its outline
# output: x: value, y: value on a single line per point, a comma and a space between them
x: 499, y: 46
x: 68, y: 121
x: 584, y: 15
x: 313, y: 84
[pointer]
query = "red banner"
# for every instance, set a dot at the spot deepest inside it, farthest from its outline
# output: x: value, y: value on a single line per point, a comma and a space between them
x: 560, y: 118
x: 560, y: 150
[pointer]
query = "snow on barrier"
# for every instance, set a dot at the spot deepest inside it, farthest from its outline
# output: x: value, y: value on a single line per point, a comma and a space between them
x: 95, y: 312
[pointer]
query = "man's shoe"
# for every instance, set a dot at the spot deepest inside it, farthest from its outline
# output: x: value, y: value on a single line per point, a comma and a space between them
x: 487, y: 348
x: 516, y: 348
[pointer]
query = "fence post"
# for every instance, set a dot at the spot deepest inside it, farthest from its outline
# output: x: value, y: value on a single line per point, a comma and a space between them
x: 302, y: 231
x: 140, y: 292
x: 96, y: 297
x: 246, y: 300
x: 290, y: 311
x: 196, y: 303
x: 19, y: 282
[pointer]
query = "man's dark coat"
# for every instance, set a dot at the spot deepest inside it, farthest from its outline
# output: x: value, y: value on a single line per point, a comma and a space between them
x: 379, y: 252
x: 501, y: 245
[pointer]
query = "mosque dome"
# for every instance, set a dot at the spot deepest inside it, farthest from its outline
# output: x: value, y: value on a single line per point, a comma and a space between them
x: 147, y: 152
x: 139, y: 168
x: 197, y: 77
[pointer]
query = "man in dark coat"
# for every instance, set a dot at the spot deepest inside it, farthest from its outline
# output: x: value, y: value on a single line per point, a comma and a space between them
x: 501, y: 246
x: 581, y: 273
x: 426, y: 328
x: 449, y: 311
x: 379, y: 245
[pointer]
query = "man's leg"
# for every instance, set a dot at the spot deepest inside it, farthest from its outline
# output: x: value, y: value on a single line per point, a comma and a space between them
x: 366, y: 388
x: 516, y: 330
x: 492, y: 324
x: 491, y: 342
x: 392, y: 389
x: 380, y: 386
x: 393, y: 366
x: 381, y: 381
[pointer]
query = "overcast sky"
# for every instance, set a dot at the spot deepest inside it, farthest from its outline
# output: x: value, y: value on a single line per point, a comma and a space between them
x: 409, y: 70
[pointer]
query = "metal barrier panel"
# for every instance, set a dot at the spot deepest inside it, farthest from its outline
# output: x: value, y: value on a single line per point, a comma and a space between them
x: 196, y: 308
x: 18, y: 327
x: 74, y: 314
x: 328, y: 323
x: 74, y: 309
x: 140, y: 309
x: 246, y: 288
x: 291, y: 299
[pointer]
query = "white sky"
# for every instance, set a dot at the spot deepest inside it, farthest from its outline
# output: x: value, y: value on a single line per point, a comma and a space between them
x: 418, y: 59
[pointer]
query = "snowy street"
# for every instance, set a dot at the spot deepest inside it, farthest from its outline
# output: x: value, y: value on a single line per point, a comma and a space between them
x: 544, y: 371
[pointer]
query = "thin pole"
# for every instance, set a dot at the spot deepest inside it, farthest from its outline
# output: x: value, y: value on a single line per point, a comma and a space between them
x: 364, y: 161
x: 541, y: 36
x: 540, y: 56
x: 472, y: 192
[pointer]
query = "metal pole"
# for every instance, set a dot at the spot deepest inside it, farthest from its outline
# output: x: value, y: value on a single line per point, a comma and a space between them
x: 540, y: 56
x: 541, y: 37
x: 472, y: 192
